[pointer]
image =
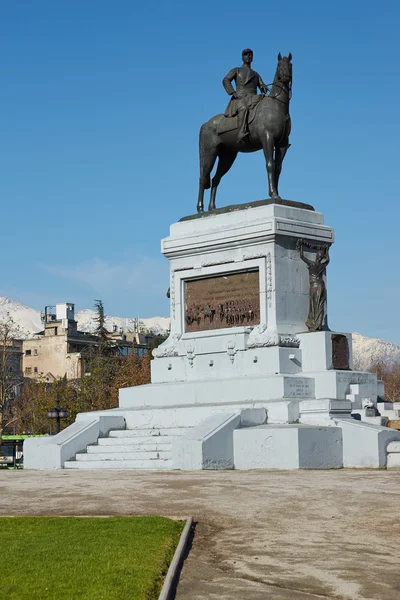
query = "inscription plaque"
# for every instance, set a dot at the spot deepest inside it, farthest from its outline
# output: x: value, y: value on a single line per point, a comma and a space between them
x: 340, y: 352
x: 298, y: 388
x: 352, y: 377
x: 222, y: 301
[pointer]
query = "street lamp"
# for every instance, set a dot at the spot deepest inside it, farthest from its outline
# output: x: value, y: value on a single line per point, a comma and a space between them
x: 58, y: 413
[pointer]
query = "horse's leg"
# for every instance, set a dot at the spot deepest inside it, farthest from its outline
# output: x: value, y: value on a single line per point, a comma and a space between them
x: 208, y: 154
x: 225, y: 161
x: 200, y: 200
x: 268, y: 147
x: 279, y: 156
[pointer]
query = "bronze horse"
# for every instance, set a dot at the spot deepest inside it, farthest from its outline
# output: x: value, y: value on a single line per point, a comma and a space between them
x: 269, y: 131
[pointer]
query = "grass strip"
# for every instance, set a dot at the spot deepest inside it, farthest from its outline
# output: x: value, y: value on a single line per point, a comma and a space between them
x: 73, y: 558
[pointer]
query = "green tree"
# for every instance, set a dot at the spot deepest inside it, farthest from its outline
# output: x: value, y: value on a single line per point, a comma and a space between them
x: 101, y: 329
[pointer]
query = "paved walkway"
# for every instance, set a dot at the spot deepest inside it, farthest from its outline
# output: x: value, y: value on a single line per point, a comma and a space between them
x: 260, y: 534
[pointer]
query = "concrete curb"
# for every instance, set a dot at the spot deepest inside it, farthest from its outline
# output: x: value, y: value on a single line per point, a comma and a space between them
x: 168, y: 589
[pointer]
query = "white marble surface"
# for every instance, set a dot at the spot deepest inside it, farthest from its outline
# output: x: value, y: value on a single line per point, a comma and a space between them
x: 316, y: 350
x: 262, y: 239
x: 209, y: 445
x: 46, y: 453
x: 365, y: 445
x: 288, y: 447
x: 205, y: 380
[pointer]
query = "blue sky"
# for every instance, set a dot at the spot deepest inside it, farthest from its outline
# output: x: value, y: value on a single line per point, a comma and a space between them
x: 101, y: 103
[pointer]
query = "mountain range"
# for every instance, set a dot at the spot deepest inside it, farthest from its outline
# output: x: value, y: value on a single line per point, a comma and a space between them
x: 366, y: 351
x: 29, y: 319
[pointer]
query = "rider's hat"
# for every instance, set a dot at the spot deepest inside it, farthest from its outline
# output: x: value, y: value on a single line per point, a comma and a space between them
x: 247, y: 51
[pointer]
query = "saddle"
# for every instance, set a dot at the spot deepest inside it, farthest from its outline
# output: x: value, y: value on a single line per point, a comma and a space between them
x: 230, y: 123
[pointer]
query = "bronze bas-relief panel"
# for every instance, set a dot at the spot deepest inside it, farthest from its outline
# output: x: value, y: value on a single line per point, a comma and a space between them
x: 223, y: 301
x: 340, y: 352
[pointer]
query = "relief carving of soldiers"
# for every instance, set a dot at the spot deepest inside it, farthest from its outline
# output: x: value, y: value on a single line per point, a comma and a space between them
x: 245, y: 95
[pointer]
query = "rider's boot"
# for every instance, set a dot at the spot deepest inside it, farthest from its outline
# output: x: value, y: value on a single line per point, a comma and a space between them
x: 243, y: 131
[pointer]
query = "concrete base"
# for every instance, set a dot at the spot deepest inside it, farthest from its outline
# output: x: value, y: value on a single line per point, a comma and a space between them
x: 215, y: 424
x: 217, y: 436
x: 237, y: 358
x: 228, y: 390
x: 365, y: 445
x: 389, y: 410
x: 393, y: 457
x: 288, y: 447
x: 52, y: 452
x: 210, y: 445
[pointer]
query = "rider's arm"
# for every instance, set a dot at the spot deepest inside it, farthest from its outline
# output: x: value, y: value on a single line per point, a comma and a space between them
x: 227, y: 81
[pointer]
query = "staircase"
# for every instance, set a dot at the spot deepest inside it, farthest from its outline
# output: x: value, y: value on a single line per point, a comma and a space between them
x: 137, y: 449
x: 393, y: 455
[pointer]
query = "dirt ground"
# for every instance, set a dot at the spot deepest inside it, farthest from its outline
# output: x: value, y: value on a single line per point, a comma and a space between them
x: 260, y: 534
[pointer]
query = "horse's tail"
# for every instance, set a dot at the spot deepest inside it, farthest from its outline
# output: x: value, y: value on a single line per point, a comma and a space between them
x: 205, y: 179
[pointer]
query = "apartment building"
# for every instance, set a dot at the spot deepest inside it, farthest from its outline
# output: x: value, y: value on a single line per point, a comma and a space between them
x: 60, y: 349
x: 56, y: 351
x: 139, y: 342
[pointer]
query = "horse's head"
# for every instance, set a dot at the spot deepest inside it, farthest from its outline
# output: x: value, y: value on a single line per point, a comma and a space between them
x: 284, y: 69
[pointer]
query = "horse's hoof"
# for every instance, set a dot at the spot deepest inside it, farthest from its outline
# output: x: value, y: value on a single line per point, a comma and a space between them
x: 200, y: 209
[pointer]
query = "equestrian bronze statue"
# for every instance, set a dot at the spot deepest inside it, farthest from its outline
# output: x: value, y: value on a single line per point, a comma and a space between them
x: 251, y: 122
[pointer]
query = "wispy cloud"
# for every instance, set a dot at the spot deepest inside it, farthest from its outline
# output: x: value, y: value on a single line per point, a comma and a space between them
x: 143, y: 274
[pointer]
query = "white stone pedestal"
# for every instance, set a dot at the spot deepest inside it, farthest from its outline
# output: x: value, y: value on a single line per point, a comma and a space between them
x: 261, y: 240
x: 241, y: 382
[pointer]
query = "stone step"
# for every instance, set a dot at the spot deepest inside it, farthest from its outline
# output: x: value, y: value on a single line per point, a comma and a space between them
x: 381, y: 421
x: 137, y: 465
x: 147, y: 443
x: 393, y: 460
x: 123, y: 455
x: 393, y: 447
x: 392, y: 415
x: 155, y: 432
x: 393, y: 456
x: 130, y: 449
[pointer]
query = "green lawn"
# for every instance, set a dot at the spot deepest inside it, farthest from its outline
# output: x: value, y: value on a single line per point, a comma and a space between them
x: 71, y: 558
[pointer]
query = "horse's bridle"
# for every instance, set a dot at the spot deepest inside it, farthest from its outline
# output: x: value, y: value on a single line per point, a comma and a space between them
x: 289, y: 87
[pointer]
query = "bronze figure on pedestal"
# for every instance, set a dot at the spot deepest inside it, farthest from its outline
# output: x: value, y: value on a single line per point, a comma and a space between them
x: 251, y: 122
x: 245, y: 95
x: 316, y: 270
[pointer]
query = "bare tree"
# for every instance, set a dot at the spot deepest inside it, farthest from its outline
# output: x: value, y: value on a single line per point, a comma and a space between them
x: 10, y: 370
x: 390, y: 375
x: 97, y: 390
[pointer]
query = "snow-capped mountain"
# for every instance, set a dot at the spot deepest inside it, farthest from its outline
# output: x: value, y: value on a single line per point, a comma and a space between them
x: 26, y: 318
x: 86, y: 322
x: 370, y: 351
x: 366, y: 351
x: 29, y: 319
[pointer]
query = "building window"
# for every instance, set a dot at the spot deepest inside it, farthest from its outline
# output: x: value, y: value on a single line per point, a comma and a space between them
x: 35, y: 352
x: 35, y: 370
x: 28, y: 370
x: 140, y: 351
x: 28, y: 352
